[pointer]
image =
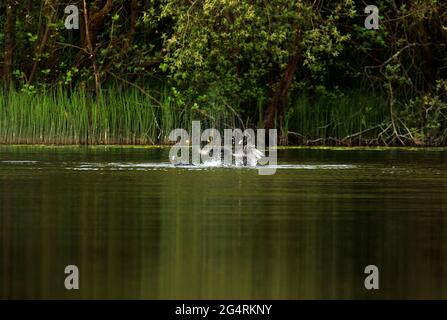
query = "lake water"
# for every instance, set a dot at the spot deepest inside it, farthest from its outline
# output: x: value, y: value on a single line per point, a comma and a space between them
x: 137, y: 228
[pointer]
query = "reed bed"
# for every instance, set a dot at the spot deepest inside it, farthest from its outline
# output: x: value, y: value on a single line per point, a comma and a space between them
x: 131, y: 117
x: 116, y: 117
x: 353, y: 118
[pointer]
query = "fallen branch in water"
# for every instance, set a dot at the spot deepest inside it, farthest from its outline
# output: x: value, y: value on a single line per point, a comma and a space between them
x: 359, y: 133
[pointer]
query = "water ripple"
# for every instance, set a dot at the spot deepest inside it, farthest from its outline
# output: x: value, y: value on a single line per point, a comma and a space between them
x: 159, y: 166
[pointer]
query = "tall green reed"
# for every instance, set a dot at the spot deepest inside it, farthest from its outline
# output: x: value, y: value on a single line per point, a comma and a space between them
x: 118, y: 116
x: 347, y: 117
x: 130, y: 116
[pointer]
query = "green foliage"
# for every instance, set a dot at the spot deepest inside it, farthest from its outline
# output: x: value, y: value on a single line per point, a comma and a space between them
x: 238, y: 50
x: 427, y: 116
x: 223, y: 60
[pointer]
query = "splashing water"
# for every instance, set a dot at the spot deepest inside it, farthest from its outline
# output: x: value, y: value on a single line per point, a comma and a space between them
x: 248, y: 156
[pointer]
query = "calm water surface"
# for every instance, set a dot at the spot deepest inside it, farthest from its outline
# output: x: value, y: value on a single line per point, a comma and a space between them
x: 139, y: 229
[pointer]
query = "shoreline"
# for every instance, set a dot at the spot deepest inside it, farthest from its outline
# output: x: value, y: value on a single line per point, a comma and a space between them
x: 167, y: 146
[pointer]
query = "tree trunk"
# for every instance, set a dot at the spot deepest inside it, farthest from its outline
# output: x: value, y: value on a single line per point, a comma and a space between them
x: 10, y: 25
x: 134, y: 11
x: 50, y: 13
x: 91, y: 49
x: 92, y: 22
x: 95, y: 22
x: 96, y: 19
x: 277, y: 105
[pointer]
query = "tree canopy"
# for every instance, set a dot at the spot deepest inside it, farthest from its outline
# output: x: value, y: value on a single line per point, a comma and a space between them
x: 252, y: 55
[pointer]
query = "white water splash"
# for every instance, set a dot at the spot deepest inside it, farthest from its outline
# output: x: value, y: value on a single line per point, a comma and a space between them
x: 209, y: 165
x: 205, y: 166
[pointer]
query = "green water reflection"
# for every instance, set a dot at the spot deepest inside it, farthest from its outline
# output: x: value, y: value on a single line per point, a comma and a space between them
x: 161, y: 233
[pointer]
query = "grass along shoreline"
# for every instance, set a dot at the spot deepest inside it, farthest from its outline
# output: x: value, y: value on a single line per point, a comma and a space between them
x: 130, y: 117
x: 167, y: 146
